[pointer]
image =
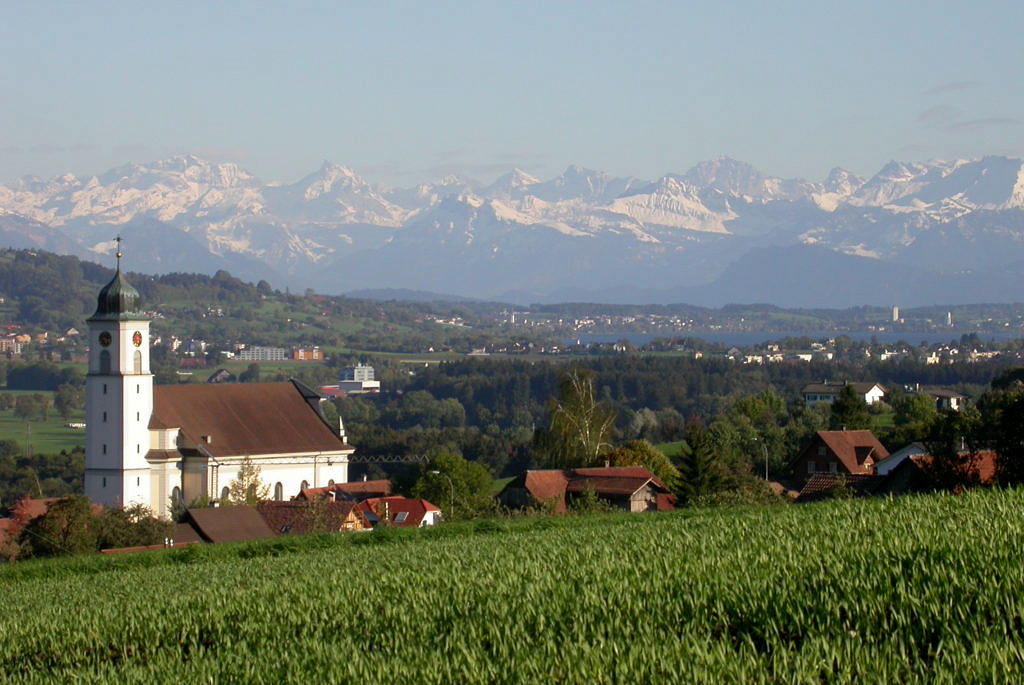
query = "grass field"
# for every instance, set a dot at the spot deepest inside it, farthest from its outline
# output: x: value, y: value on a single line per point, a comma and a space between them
x: 45, y: 437
x: 918, y: 589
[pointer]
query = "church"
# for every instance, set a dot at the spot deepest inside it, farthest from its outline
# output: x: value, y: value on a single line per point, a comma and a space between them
x: 165, y: 445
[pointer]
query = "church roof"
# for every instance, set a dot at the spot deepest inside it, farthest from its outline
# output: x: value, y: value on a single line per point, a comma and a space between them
x: 117, y: 300
x: 235, y: 419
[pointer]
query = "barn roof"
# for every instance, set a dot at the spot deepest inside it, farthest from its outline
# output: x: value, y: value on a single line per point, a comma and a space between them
x: 246, y: 418
x: 300, y: 517
x: 229, y: 524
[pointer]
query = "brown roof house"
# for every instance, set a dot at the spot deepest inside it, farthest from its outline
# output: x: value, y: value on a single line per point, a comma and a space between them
x: 225, y: 524
x: 183, y: 443
x: 300, y: 517
x: 846, y: 452
x: 632, y: 488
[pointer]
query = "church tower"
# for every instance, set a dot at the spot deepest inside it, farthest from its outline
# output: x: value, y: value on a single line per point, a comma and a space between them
x: 118, y: 398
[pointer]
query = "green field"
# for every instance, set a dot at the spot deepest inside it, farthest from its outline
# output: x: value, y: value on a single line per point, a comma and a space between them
x: 919, y: 589
x: 45, y: 437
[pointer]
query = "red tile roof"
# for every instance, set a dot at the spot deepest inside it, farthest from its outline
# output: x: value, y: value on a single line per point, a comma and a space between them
x: 245, y: 418
x: 852, y: 448
x: 415, y: 509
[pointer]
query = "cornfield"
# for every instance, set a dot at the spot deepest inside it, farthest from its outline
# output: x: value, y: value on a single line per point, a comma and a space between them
x: 927, y: 588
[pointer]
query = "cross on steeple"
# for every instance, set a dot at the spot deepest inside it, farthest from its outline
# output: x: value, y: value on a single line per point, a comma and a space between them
x: 118, y: 254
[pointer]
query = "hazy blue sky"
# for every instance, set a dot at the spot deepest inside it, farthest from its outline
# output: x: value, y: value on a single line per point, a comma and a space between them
x: 405, y: 92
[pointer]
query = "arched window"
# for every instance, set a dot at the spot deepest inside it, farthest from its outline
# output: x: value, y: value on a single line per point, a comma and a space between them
x: 305, y: 485
x: 138, y: 361
x: 176, y: 497
x: 105, y: 362
x: 224, y: 492
x: 278, y: 492
x: 330, y: 483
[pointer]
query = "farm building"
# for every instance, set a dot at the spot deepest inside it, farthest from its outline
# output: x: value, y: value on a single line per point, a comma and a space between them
x: 632, y: 488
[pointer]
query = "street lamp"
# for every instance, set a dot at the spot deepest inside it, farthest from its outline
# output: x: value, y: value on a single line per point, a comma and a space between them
x: 452, y: 485
x: 765, y: 448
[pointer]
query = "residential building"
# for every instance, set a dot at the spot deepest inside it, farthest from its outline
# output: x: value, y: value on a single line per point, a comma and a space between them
x: 400, y: 511
x: 257, y: 353
x: 632, y: 488
x: 828, y: 392
x: 845, y: 452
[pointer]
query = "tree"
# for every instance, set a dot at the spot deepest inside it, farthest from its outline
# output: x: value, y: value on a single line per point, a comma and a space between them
x: 643, y: 453
x: 29, y: 407
x: 247, y: 488
x: 67, y: 527
x: 913, y: 415
x: 954, y: 443
x: 467, y: 482
x: 581, y: 426
x: 849, y: 411
x: 134, y: 526
x: 68, y: 399
x: 251, y: 374
x: 1002, y: 419
x: 701, y: 474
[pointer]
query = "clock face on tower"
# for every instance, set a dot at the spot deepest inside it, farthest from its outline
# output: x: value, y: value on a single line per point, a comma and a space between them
x: 136, y: 338
x: 105, y: 338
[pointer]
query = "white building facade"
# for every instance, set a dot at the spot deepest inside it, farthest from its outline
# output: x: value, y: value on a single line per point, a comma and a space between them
x: 180, y: 444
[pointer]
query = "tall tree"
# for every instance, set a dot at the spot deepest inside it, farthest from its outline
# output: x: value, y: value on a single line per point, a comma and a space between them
x: 581, y: 426
x: 68, y: 399
x: 849, y: 411
x: 700, y: 471
x: 247, y: 488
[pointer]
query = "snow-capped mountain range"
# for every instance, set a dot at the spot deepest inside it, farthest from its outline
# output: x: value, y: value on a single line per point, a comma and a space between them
x: 914, y: 233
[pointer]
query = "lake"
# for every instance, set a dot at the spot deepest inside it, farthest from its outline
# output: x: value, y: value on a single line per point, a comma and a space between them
x: 750, y: 338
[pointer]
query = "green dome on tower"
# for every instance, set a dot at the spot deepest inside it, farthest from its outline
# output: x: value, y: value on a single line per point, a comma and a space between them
x: 117, y: 300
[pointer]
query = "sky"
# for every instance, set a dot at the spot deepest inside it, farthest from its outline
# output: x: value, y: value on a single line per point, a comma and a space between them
x: 407, y: 92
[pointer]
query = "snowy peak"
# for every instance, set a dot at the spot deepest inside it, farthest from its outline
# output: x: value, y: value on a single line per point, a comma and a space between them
x: 583, y: 184
x: 728, y: 176
x: 511, y: 186
x: 842, y: 182
x: 958, y: 187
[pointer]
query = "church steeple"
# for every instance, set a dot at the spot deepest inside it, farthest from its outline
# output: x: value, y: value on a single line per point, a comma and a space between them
x: 119, y: 398
x: 118, y: 300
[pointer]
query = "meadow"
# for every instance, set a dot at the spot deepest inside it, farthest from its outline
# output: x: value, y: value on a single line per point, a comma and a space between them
x: 923, y: 588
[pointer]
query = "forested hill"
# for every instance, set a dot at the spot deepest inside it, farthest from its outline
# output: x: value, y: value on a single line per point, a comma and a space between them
x: 46, y: 291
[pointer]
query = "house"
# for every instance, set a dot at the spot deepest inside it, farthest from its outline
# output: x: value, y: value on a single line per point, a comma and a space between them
x: 171, y: 445
x: 828, y: 392
x: 632, y: 488
x: 846, y: 452
x: 225, y: 524
x: 299, y: 517
x: 400, y: 511
x: 886, y: 466
x: 913, y: 473
x: 948, y: 399
x: 356, y: 492
x: 221, y: 376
